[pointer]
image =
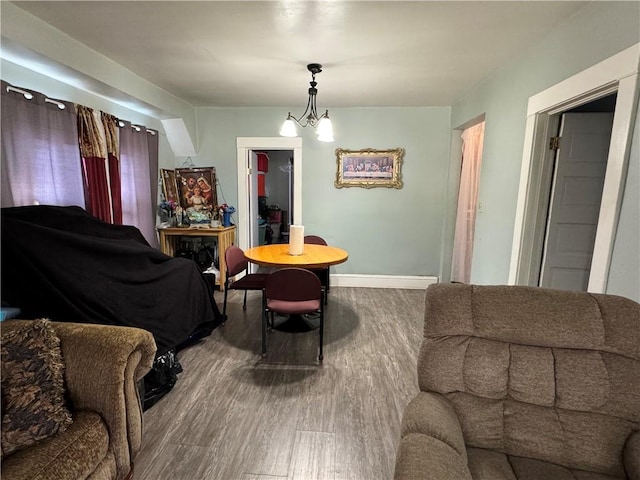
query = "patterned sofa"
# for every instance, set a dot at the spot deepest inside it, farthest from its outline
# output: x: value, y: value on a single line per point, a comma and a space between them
x: 97, y: 432
x: 524, y: 383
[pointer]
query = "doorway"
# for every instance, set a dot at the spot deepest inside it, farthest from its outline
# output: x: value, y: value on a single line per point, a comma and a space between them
x: 471, y: 153
x: 275, y: 196
x: 247, y: 233
x: 618, y: 73
x: 575, y: 194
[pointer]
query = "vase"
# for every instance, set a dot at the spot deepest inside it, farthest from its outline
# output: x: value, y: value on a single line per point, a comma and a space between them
x: 226, y: 219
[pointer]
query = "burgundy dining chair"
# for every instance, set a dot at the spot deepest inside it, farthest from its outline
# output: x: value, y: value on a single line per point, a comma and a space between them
x: 236, y: 264
x: 292, y: 291
x: 322, y: 273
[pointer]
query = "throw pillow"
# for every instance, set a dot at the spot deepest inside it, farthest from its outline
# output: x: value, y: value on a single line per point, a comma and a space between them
x: 33, y: 405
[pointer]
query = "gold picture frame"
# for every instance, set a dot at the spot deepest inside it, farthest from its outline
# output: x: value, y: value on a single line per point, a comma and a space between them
x: 369, y: 168
x: 201, y: 178
x: 170, y: 186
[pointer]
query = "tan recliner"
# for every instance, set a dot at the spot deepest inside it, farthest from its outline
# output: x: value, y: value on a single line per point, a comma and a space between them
x: 524, y: 383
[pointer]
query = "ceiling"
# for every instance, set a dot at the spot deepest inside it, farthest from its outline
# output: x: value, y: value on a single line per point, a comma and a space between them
x: 254, y: 54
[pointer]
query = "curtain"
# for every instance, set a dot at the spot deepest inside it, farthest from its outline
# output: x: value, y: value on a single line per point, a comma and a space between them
x: 40, y: 161
x: 110, y: 125
x: 94, y: 165
x: 137, y: 206
x: 154, y: 178
x: 472, y: 142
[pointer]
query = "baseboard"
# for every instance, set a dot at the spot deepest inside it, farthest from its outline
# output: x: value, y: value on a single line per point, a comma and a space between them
x: 382, y: 281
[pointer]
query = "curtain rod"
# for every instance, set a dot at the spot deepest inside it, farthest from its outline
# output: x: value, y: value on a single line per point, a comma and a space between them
x: 137, y: 128
x: 29, y: 96
x: 62, y: 106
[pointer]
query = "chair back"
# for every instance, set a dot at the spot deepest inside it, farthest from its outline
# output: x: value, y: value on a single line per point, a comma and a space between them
x: 314, y: 239
x: 293, y: 285
x: 537, y: 373
x: 236, y: 261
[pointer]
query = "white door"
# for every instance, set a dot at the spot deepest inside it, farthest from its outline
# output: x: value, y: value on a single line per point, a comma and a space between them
x: 580, y: 166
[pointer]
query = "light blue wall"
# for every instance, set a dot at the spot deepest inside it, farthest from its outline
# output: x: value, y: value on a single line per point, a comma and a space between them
x: 596, y: 32
x: 385, y: 231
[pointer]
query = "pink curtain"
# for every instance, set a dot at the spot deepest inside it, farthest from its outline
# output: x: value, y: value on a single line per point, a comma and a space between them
x: 40, y: 161
x: 138, y: 207
x: 94, y: 165
x: 472, y: 143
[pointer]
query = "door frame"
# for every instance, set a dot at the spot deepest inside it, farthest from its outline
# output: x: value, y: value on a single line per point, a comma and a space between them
x: 244, y: 145
x: 617, y: 73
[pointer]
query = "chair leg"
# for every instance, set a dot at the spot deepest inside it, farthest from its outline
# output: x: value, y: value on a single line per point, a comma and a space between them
x: 244, y: 305
x: 264, y: 326
x: 320, y: 357
x: 224, y: 305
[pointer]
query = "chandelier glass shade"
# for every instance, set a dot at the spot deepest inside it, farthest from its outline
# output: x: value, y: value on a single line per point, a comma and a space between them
x: 310, y: 117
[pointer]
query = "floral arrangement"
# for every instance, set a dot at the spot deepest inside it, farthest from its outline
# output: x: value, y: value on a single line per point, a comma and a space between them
x: 168, y: 206
x: 224, y: 208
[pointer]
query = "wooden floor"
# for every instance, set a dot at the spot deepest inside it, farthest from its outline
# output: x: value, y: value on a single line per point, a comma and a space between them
x: 235, y: 415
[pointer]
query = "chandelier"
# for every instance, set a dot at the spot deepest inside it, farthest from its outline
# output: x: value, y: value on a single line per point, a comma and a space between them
x: 322, y: 124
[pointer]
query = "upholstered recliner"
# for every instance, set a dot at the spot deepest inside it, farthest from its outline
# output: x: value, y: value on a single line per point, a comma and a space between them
x: 524, y: 383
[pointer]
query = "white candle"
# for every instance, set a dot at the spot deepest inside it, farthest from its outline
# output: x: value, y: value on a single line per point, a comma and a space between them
x: 296, y: 240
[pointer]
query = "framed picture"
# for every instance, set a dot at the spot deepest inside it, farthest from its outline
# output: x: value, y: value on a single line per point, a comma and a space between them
x: 169, y: 185
x: 369, y: 168
x: 197, y: 188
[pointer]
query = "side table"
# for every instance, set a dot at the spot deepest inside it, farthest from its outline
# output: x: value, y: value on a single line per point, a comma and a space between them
x: 226, y: 236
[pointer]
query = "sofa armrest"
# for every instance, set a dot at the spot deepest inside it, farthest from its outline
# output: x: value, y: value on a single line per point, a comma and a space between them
x: 102, y: 366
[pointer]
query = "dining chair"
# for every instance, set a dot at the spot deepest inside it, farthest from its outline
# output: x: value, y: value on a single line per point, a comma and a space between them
x: 291, y: 291
x: 322, y: 273
x: 236, y: 264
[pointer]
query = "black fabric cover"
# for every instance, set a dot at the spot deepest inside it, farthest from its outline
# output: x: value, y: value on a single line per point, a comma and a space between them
x: 64, y: 264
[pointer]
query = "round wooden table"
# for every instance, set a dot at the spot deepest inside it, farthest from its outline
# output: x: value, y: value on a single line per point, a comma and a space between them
x: 313, y: 256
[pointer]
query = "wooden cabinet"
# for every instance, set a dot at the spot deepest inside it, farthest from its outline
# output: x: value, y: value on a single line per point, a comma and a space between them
x: 225, y: 237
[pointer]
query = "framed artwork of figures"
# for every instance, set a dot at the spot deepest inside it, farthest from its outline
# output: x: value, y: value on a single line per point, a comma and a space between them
x: 197, y: 187
x: 369, y: 168
x: 169, y: 185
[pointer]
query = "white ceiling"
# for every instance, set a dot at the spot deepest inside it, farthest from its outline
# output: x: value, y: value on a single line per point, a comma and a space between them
x: 254, y: 54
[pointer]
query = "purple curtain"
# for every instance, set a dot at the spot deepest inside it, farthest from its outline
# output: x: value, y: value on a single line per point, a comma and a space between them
x: 153, y: 142
x: 40, y: 157
x: 137, y: 206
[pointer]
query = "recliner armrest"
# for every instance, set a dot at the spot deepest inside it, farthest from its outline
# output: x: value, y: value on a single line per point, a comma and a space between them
x: 432, y: 445
x: 631, y: 456
x: 102, y: 366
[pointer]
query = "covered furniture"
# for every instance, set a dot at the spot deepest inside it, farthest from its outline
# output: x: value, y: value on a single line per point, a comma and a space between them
x: 64, y: 264
x: 102, y: 365
x: 524, y: 383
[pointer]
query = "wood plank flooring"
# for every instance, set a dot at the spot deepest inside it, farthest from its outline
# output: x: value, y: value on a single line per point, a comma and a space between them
x: 234, y: 415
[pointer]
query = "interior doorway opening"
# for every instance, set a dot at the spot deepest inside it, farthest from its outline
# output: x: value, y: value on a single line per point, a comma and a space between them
x: 573, y: 185
x: 275, y: 195
x: 248, y: 229
x: 471, y: 153
x: 617, y: 74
